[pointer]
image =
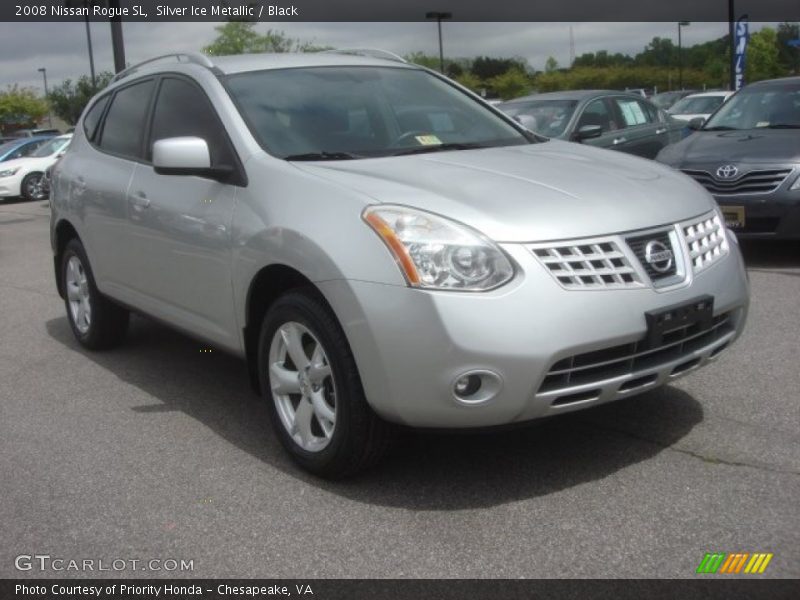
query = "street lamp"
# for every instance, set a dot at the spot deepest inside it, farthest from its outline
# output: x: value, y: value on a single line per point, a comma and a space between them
x: 680, y: 52
x: 43, y: 71
x: 439, y: 16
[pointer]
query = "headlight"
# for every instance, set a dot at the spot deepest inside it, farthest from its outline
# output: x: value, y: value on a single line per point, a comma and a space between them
x: 9, y: 172
x: 437, y: 253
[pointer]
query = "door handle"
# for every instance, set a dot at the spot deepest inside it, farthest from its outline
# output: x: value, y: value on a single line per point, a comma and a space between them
x: 619, y: 140
x: 660, y: 131
x: 140, y: 201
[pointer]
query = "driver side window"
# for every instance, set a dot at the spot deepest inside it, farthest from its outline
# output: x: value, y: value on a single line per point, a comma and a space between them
x: 181, y: 110
x: 597, y: 113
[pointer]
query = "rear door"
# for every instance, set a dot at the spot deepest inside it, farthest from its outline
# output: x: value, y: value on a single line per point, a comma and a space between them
x: 179, y: 225
x: 642, y: 133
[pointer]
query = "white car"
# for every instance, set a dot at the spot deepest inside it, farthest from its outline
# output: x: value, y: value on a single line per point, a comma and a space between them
x: 22, y: 176
x: 698, y: 105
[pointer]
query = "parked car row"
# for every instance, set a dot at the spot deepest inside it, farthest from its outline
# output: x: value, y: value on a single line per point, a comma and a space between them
x: 21, y: 176
x: 744, y: 148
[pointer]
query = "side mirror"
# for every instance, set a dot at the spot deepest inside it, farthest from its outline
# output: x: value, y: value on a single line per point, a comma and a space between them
x: 588, y: 132
x: 186, y: 156
x: 696, y: 123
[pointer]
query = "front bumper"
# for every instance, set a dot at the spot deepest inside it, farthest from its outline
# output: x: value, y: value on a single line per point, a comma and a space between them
x: 768, y: 216
x: 411, y: 345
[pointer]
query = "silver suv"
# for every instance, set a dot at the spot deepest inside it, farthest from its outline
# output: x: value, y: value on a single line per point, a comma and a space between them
x: 383, y: 248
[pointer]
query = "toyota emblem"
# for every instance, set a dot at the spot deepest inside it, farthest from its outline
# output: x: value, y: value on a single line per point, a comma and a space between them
x: 727, y: 172
x: 658, y: 256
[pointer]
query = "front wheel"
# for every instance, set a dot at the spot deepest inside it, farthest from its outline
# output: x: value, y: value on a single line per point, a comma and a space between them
x: 31, y: 187
x: 309, y: 377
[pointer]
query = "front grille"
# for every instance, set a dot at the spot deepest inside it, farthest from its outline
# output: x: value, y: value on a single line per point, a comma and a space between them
x: 639, y: 246
x: 595, y: 367
x: 705, y: 238
x: 753, y: 182
x: 589, y: 265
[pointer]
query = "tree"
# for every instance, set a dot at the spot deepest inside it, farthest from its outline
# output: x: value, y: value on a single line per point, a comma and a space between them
x: 423, y: 60
x: 21, y: 107
x: 241, y: 37
x: 788, y: 56
x: 511, y: 84
x: 485, y: 67
x: 468, y: 80
x: 550, y: 65
x: 70, y: 98
x: 762, y: 56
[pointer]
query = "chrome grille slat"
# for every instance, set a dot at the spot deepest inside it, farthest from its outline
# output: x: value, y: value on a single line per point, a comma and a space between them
x: 761, y: 181
x: 588, y: 265
x: 706, y: 240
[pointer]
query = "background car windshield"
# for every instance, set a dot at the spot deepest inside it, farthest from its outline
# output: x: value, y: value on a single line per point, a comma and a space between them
x: 365, y: 111
x: 547, y: 117
x: 51, y: 147
x: 7, y: 146
x: 696, y: 106
x: 766, y: 106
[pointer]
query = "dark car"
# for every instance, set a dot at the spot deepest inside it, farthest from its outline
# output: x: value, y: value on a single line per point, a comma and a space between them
x: 666, y: 100
x: 604, y: 118
x: 748, y: 156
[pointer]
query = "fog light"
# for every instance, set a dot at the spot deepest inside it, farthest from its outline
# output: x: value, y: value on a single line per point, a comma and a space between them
x: 467, y: 385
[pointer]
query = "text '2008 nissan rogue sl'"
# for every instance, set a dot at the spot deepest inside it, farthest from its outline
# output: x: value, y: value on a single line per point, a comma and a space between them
x: 383, y: 247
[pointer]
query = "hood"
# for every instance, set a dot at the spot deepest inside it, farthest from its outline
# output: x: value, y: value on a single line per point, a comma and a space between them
x: 27, y: 162
x: 547, y: 191
x: 771, y: 146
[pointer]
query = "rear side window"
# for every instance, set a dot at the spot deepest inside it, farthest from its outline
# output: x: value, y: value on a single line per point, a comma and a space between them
x: 633, y: 112
x: 92, y: 118
x: 182, y: 109
x: 125, y: 122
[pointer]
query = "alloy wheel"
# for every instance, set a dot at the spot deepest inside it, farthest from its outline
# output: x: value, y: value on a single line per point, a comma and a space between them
x: 80, y: 306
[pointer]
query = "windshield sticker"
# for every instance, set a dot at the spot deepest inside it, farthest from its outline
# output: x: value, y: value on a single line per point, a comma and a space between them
x: 428, y: 140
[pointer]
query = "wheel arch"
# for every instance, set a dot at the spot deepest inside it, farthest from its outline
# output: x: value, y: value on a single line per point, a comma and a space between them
x: 266, y: 286
x: 63, y: 232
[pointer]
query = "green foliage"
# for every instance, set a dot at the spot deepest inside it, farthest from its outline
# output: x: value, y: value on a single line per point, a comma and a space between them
x: 763, y: 60
x: 241, y: 37
x: 468, y: 80
x: 70, y: 98
x: 511, y: 84
x: 21, y: 106
x: 423, y: 60
x: 788, y: 56
x: 619, y: 78
x: 485, y: 67
x: 550, y: 65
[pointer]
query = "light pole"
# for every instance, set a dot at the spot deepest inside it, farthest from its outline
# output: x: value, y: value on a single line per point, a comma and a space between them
x: 680, y: 52
x: 439, y: 16
x: 43, y: 71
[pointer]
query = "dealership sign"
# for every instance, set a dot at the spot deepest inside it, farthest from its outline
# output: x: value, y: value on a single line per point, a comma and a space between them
x: 740, y: 44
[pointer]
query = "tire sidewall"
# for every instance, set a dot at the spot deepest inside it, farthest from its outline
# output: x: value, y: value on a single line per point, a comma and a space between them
x: 297, y: 307
x: 24, y: 185
x: 75, y: 248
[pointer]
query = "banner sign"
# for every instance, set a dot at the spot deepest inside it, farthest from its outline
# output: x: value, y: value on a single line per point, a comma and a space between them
x: 741, y: 36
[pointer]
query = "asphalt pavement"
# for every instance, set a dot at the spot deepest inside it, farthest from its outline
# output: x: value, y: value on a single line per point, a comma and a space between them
x: 158, y: 451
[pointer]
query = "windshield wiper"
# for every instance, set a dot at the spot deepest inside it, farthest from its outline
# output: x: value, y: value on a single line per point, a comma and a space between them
x: 720, y: 128
x: 322, y: 156
x: 783, y: 126
x: 440, y: 148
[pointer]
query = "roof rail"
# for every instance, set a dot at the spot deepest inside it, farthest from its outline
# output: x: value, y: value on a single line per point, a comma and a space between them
x: 189, y: 57
x: 373, y: 52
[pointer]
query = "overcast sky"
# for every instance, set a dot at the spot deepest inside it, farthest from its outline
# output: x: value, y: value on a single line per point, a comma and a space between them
x: 61, y: 47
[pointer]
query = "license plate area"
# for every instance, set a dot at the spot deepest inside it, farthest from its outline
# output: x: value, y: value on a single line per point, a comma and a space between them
x: 734, y: 216
x: 679, y: 321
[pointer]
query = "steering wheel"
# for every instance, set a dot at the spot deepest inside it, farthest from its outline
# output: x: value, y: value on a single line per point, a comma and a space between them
x: 405, y: 136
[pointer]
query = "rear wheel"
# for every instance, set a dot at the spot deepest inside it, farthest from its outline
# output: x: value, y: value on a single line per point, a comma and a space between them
x: 31, y: 187
x: 96, y: 321
x: 309, y: 377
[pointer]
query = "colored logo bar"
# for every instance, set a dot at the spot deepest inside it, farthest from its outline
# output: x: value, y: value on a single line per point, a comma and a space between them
x: 734, y: 562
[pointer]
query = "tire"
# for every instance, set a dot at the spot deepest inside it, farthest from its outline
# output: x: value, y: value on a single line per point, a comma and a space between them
x: 356, y: 438
x: 30, y: 187
x: 97, y: 322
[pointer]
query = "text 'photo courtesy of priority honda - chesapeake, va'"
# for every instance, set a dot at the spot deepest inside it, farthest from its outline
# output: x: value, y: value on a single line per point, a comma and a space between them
x: 366, y: 300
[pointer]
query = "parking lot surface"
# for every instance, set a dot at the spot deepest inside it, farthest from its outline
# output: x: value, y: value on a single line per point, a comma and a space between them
x: 158, y: 450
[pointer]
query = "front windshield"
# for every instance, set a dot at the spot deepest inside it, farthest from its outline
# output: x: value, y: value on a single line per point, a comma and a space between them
x: 547, y: 117
x: 5, y: 148
x: 775, y: 106
x: 356, y: 112
x: 51, y: 147
x: 702, y: 105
